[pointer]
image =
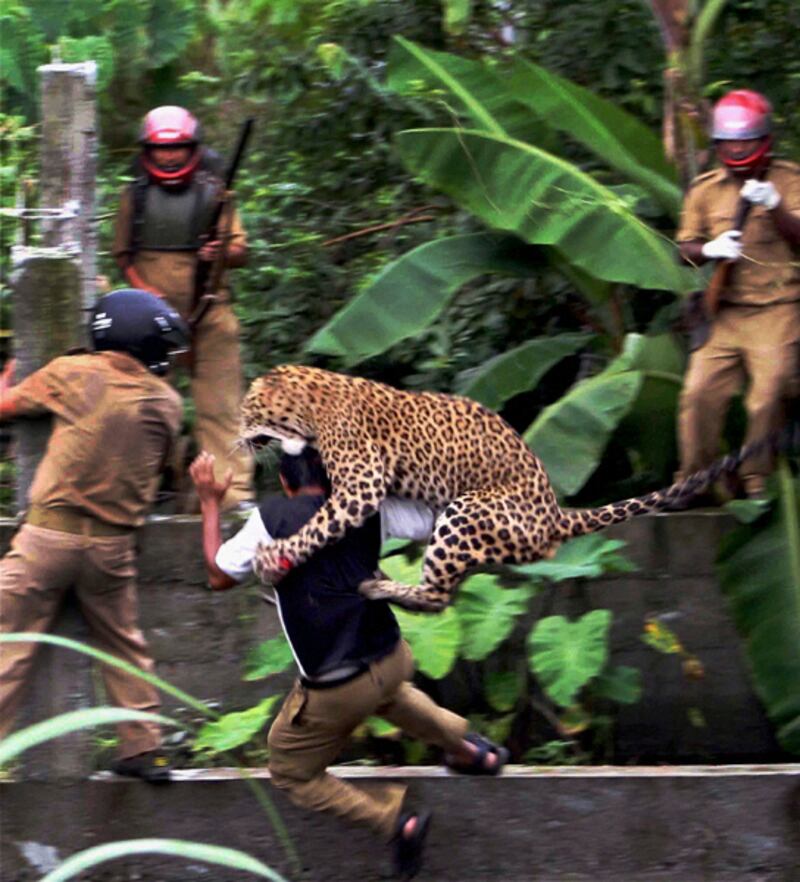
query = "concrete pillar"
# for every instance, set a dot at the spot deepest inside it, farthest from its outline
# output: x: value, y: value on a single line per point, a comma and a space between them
x: 69, y: 163
x: 53, y: 286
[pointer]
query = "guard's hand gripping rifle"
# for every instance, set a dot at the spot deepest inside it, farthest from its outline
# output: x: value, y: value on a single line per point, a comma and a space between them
x: 723, y: 268
x: 208, y: 274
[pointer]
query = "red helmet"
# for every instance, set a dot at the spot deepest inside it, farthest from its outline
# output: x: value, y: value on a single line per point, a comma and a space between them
x: 170, y: 126
x: 743, y: 115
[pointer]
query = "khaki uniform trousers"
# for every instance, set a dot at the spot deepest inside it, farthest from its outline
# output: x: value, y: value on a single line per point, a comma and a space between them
x: 217, y: 393
x: 753, y: 345
x: 314, y: 725
x: 41, y: 565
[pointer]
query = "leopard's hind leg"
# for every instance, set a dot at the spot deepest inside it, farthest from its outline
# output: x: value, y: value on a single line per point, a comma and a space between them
x: 485, y: 527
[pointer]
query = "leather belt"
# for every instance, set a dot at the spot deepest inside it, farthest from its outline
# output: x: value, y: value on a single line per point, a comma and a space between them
x: 66, y: 520
x: 333, y: 680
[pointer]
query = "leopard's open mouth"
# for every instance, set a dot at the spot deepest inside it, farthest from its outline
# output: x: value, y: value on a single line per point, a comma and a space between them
x: 259, y: 442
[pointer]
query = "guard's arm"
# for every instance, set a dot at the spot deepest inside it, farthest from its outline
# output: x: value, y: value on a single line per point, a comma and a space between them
x: 787, y: 222
x: 9, y: 399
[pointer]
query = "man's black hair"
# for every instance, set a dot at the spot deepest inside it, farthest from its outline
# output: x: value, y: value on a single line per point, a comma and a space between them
x: 305, y: 470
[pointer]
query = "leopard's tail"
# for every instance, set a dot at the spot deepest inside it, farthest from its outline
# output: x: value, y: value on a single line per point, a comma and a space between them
x: 579, y: 521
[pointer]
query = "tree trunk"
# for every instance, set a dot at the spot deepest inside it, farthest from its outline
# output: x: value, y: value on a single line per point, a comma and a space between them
x: 685, y: 111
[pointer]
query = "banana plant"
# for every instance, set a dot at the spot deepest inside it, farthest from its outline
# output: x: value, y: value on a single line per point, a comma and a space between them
x: 498, y: 161
x: 759, y: 571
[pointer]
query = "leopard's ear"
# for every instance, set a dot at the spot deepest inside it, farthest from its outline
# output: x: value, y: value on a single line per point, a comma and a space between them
x: 293, y: 446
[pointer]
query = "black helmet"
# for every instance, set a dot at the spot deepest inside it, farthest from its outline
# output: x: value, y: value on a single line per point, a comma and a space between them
x: 141, y: 324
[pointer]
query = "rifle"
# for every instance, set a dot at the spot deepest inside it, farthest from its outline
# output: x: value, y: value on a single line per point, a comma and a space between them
x: 208, y: 274
x: 723, y: 268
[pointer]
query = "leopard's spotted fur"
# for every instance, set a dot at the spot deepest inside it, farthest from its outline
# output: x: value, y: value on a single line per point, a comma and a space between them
x: 494, y: 501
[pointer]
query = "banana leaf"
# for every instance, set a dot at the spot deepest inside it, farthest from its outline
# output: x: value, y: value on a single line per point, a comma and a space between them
x: 518, y: 370
x: 195, y: 851
x: 596, y: 291
x: 611, y: 133
x: 412, y: 291
x: 507, y: 100
x: 468, y: 89
x: 648, y: 431
x: 516, y: 187
x: 759, y: 571
x: 570, y: 435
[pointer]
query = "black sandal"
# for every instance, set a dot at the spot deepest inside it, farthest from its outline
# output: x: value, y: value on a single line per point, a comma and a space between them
x: 408, y: 849
x: 477, y: 766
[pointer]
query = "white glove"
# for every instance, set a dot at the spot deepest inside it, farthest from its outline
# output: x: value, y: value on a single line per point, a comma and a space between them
x: 760, y: 193
x: 725, y: 247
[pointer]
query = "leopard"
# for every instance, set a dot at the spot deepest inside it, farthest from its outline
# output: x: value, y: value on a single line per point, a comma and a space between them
x: 492, y: 499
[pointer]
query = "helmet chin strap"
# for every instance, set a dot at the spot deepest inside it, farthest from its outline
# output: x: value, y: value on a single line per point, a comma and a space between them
x: 171, y: 178
x: 753, y: 162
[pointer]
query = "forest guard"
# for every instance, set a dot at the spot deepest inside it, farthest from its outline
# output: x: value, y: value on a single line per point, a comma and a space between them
x: 115, y: 421
x: 745, y: 214
x: 162, y: 244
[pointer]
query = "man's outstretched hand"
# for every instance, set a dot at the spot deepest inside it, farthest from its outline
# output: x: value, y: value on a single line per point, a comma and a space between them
x: 209, y: 489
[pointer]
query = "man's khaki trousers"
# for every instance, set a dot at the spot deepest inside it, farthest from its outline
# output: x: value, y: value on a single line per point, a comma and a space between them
x: 749, y: 345
x: 314, y: 725
x: 41, y: 565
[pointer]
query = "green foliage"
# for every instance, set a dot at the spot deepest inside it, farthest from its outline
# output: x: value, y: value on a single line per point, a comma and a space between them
x: 517, y: 187
x: 566, y: 655
x: 487, y: 612
x: 570, y: 435
x: 585, y: 557
x: 411, y: 292
x: 134, y: 42
x: 234, y: 729
x: 434, y: 640
x: 231, y: 858
x: 503, y: 689
x: 268, y: 658
x: 759, y: 571
x: 104, y: 657
x: 493, y: 97
x: 13, y: 745
x: 568, y: 659
x: 517, y: 370
x: 622, y: 684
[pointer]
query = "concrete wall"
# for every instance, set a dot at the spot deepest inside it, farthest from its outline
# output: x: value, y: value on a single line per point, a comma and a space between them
x: 664, y: 824
x: 200, y: 638
x: 530, y: 825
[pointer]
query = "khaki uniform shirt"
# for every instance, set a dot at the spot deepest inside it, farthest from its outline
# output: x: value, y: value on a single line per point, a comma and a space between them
x: 114, y: 424
x: 170, y: 272
x: 769, y: 270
